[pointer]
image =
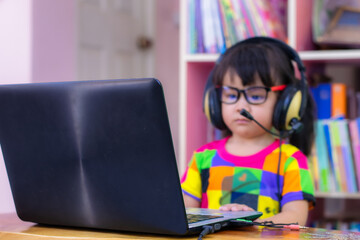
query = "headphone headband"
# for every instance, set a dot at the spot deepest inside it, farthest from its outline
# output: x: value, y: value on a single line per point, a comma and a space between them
x: 289, y: 51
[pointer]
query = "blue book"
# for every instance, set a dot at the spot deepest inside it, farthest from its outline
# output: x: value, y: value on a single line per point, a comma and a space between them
x: 334, y: 185
x: 192, y: 39
x: 199, y: 29
x: 323, y: 99
x: 324, y: 169
x: 315, y: 95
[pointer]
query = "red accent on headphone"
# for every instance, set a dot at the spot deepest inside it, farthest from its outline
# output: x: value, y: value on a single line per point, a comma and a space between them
x: 278, y: 88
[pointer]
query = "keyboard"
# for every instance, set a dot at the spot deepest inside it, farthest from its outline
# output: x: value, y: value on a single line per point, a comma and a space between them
x: 197, y: 217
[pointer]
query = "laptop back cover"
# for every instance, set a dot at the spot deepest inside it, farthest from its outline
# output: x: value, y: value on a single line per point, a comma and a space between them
x: 92, y: 154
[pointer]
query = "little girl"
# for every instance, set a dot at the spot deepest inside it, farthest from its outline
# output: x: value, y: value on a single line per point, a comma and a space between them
x: 251, y: 168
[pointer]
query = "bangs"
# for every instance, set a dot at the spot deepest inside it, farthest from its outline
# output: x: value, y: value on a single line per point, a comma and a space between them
x: 247, y: 63
x: 251, y: 60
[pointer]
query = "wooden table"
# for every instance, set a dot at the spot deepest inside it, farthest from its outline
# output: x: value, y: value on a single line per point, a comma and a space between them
x: 12, y: 228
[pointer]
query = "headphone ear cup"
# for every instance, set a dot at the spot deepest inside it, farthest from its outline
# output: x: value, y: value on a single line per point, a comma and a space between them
x: 212, y: 109
x: 287, y: 108
x: 206, y: 105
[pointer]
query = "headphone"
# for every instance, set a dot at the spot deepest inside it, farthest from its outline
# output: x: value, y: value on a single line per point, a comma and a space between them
x: 290, y: 106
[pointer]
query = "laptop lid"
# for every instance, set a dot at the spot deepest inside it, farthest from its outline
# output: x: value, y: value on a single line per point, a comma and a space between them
x: 93, y: 154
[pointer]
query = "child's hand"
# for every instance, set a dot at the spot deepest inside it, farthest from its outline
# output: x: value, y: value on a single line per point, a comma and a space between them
x: 235, y: 207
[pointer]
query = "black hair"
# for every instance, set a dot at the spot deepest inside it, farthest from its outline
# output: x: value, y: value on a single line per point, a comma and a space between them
x: 274, y: 67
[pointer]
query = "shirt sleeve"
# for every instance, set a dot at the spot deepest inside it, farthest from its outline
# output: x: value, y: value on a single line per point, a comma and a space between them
x: 191, y: 180
x: 298, y: 183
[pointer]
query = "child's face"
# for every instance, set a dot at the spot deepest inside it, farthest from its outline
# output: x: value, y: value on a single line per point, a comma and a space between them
x: 263, y: 113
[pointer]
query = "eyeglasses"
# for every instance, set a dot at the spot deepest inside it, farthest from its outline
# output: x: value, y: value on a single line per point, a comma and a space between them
x: 253, y: 95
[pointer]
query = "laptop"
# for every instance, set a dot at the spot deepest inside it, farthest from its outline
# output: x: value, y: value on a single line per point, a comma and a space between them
x: 96, y: 154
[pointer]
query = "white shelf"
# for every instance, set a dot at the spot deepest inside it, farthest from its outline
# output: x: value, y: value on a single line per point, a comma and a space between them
x: 340, y: 195
x: 321, y: 55
x: 201, y: 57
x: 330, y: 55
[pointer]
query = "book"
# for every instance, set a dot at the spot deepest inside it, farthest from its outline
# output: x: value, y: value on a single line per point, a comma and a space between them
x: 229, y: 14
x: 219, y: 34
x: 355, y: 142
x: 199, y: 29
x: 269, y: 19
x: 347, y: 155
x: 279, y: 9
x: 323, y: 97
x: 224, y: 24
x: 333, y: 184
x: 192, y: 39
x: 338, y: 100
x: 215, y: 25
x: 239, y: 21
x: 357, y: 94
x: 264, y: 19
x: 314, y: 169
x: 322, y: 158
x: 351, y: 103
x: 208, y: 28
x: 247, y: 18
x: 338, y: 159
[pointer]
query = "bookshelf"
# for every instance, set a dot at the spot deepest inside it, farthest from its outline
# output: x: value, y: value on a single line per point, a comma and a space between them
x: 194, y: 69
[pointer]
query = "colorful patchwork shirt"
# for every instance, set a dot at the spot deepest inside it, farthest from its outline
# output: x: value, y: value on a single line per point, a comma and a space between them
x: 215, y: 177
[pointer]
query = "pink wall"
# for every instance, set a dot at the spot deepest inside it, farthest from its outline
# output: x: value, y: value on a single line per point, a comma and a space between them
x: 53, y: 42
x: 15, y: 47
x: 34, y: 50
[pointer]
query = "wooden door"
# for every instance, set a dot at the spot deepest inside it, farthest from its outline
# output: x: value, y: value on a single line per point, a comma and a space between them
x: 108, y: 38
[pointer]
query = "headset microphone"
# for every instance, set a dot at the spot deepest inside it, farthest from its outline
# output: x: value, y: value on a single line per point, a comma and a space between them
x: 250, y: 117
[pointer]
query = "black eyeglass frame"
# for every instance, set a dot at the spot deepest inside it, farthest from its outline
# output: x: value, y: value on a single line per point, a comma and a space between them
x: 243, y: 91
